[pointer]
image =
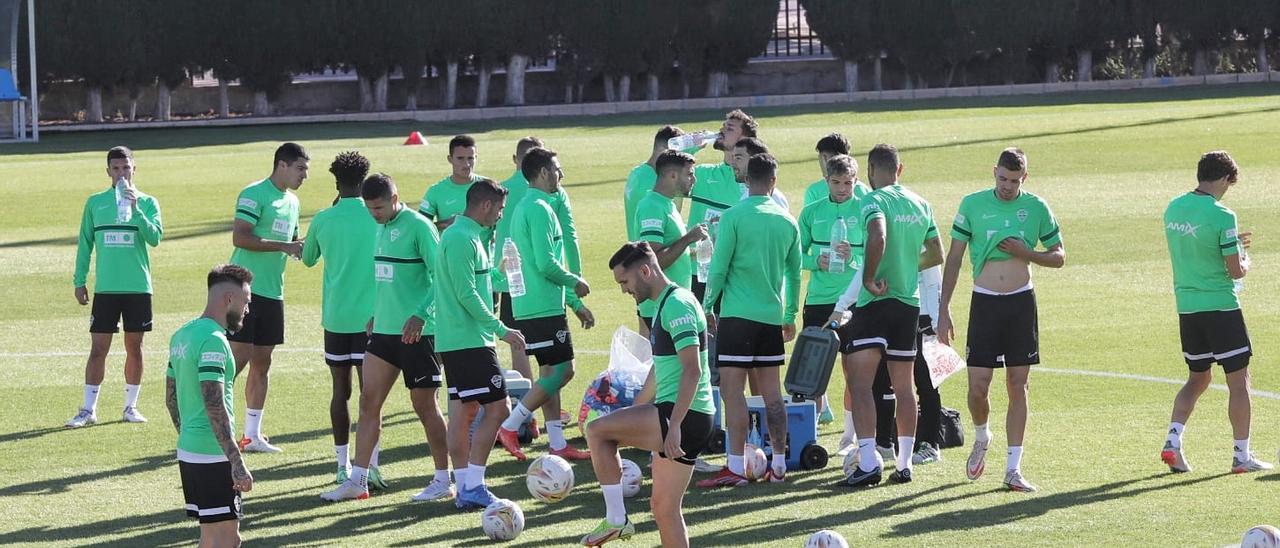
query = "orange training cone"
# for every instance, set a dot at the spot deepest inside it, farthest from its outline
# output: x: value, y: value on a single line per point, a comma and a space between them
x: 415, y: 138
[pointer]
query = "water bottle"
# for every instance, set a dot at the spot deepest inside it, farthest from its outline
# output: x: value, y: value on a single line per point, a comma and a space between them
x: 124, y: 206
x: 692, y: 140
x: 511, y: 261
x: 704, y: 249
x: 839, y: 233
x: 1239, y: 282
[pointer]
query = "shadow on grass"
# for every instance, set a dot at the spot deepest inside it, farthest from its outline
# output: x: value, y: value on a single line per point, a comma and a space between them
x: 67, y: 483
x: 171, y: 234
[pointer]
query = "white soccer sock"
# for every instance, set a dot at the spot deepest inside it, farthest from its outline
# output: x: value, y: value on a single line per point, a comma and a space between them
x: 555, y: 431
x: 344, y: 461
x: 1015, y: 458
x: 867, y: 453
x: 981, y: 432
x: 905, y: 446
x: 615, y: 506
x: 373, y: 459
x: 252, y: 423
x: 735, y: 464
x: 849, y: 430
x: 90, y: 398
x: 131, y: 395
x: 1242, y: 450
x: 442, y: 475
x: 518, y: 415
x: 460, y: 476
x: 779, y: 463
x: 475, y: 476
x: 360, y: 476
x: 1175, y: 433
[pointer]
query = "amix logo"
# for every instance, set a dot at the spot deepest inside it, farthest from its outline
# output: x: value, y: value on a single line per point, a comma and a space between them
x: 1185, y: 229
x: 911, y: 219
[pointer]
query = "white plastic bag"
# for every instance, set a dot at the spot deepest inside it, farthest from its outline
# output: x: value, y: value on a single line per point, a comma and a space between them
x: 942, y: 359
x: 630, y: 357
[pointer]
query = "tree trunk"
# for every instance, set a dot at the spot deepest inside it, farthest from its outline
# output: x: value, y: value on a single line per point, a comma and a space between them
x: 653, y: 87
x: 381, y: 87
x: 568, y: 93
x: 850, y: 76
x: 261, y: 106
x: 624, y: 88
x: 224, y: 98
x: 1051, y: 72
x: 909, y: 83
x: 951, y: 74
x: 164, y: 101
x: 684, y: 87
x: 516, y: 67
x: 582, y: 87
x: 1084, y: 65
x: 366, y: 93
x: 1199, y: 61
x: 1264, y: 64
x: 93, y: 105
x: 133, y: 109
x: 1149, y: 67
x: 877, y: 73
x: 451, y: 84
x: 717, y: 84
x: 482, y: 84
x: 610, y: 89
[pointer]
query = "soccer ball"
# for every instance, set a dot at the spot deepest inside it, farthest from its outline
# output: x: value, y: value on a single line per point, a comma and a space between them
x: 632, y: 477
x: 1261, y: 536
x: 826, y: 538
x: 502, y: 520
x: 550, y: 478
x: 754, y: 463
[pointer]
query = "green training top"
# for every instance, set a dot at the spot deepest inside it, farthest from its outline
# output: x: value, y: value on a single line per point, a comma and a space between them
x: 548, y: 282
x: 123, y: 264
x: 344, y: 235
x: 909, y: 224
x: 815, y: 239
x: 715, y: 190
x: 274, y: 216
x: 199, y: 352
x: 446, y: 198
x: 819, y: 191
x: 516, y: 186
x: 680, y: 323
x: 984, y: 220
x: 464, y: 298
x: 1201, y: 231
x: 658, y: 221
x: 640, y: 181
x: 756, y: 260
x: 404, y: 262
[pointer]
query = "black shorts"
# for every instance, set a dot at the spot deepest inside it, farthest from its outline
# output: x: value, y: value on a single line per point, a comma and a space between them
x: 208, y: 492
x: 547, y: 339
x: 695, y: 431
x: 417, y: 361
x: 505, y: 312
x: 109, y: 308
x: 344, y: 349
x: 1215, y: 336
x: 816, y: 315
x: 1004, y: 330
x: 887, y: 324
x: 473, y: 375
x: 748, y: 344
x: 263, y: 325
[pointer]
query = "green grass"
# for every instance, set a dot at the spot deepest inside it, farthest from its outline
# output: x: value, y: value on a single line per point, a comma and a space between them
x: 1107, y: 164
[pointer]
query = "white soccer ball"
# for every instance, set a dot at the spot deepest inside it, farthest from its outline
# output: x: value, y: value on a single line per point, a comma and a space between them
x: 550, y: 478
x: 632, y: 477
x: 1261, y: 536
x: 502, y: 520
x: 826, y: 538
x: 754, y: 464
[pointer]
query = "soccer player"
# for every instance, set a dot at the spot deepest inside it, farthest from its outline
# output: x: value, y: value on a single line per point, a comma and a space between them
x: 839, y: 203
x: 716, y: 188
x: 199, y: 389
x: 828, y: 147
x: 265, y: 235
x: 901, y: 240
x: 344, y: 235
x: 678, y: 422
x: 1002, y: 226
x: 448, y: 197
x: 539, y: 301
x: 465, y: 328
x: 400, y: 337
x: 1209, y: 259
x: 644, y: 177
x: 658, y: 222
x: 756, y: 261
x: 122, y: 285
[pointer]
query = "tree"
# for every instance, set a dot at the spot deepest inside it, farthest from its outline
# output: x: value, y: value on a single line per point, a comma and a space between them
x: 656, y: 30
x: 928, y: 39
x: 261, y: 40
x: 736, y: 31
x: 849, y: 29
x: 1253, y: 19
x: 1204, y: 26
x: 113, y: 34
x: 168, y: 51
x: 527, y: 33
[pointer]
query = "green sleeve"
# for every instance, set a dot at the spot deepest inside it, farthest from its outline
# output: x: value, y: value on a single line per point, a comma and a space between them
x: 1050, y: 232
x: 1228, y: 237
x: 650, y: 223
x: 571, y: 299
x: 869, y: 209
x: 460, y: 261
x: 427, y: 208
x: 544, y: 257
x: 931, y: 232
x: 84, y: 247
x: 815, y: 192
x: 791, y: 281
x: 247, y: 207
x: 683, y: 333
x: 427, y: 244
x: 148, y: 221
x: 311, y: 245
x: 809, y: 255
x: 213, y: 361
x: 726, y: 240
x: 961, y: 229
x: 572, y: 255
x: 168, y: 371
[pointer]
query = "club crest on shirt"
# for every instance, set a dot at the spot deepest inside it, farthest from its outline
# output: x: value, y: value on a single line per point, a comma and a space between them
x: 1022, y: 215
x: 395, y: 233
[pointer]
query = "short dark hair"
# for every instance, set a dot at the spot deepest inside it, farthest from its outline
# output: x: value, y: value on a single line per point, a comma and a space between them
x: 1012, y: 159
x: 349, y: 168
x: 833, y: 143
x: 631, y: 253
x: 233, y: 273
x: 665, y: 134
x: 672, y: 159
x: 749, y: 124
x: 761, y: 167
x: 883, y: 156
x: 289, y: 153
x: 754, y: 146
x: 524, y: 144
x: 485, y: 190
x: 461, y: 141
x: 536, y: 160
x: 1216, y: 165
x: 119, y: 153
x: 842, y: 164
x: 377, y: 187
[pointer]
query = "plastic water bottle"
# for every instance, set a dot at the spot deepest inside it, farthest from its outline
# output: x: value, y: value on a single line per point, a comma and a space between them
x: 839, y: 233
x: 704, y: 249
x: 692, y: 140
x: 511, y: 260
x: 1239, y: 282
x: 124, y: 206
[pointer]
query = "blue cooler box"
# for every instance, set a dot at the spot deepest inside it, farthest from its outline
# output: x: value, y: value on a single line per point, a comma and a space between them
x: 802, y: 449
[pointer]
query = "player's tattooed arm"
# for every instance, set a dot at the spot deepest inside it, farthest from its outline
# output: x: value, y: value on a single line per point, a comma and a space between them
x: 220, y: 424
x: 171, y: 401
